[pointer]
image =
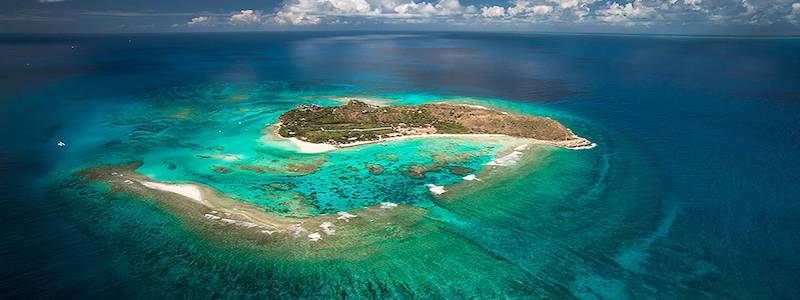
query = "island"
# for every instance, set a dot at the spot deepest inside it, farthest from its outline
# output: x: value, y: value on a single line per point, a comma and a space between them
x: 357, y: 123
x: 279, y: 215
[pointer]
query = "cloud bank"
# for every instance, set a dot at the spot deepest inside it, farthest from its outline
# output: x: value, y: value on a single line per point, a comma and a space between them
x: 519, y: 12
x: 245, y: 17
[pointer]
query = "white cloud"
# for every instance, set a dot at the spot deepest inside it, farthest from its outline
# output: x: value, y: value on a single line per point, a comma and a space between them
x: 295, y: 18
x: 427, y: 9
x: 305, y: 12
x: 351, y: 6
x: 749, y: 8
x: 415, y: 9
x: 628, y: 14
x: 201, y: 20
x: 245, y: 16
x: 493, y: 11
x: 794, y: 15
x: 310, y: 12
x: 693, y: 4
x: 542, y: 9
x: 448, y: 7
x: 553, y: 13
x: 521, y: 8
x: 135, y: 14
x: 571, y: 3
x: 624, y: 12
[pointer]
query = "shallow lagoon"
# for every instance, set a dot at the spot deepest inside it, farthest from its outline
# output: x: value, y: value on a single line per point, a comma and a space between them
x: 230, y: 145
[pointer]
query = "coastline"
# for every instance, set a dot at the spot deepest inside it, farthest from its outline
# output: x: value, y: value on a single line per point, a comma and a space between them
x: 304, y: 125
x: 309, y: 148
x: 577, y: 143
x: 572, y: 141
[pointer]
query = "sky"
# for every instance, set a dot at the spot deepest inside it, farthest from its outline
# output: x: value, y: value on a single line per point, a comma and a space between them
x: 723, y: 17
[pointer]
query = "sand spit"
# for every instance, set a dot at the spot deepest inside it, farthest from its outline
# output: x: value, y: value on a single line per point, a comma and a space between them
x: 205, y: 208
x: 190, y: 191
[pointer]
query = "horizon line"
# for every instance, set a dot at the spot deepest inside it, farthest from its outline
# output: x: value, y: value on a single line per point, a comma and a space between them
x: 600, y: 33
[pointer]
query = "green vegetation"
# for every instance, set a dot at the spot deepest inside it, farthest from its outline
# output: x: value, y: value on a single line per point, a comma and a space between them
x: 358, y: 121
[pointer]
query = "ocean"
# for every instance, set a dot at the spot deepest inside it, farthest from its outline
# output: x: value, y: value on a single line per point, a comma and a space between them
x: 692, y: 191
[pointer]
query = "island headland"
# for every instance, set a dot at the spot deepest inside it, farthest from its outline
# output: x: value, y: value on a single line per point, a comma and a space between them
x: 357, y: 123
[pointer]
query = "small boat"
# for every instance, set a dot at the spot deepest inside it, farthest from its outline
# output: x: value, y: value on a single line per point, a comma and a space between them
x: 61, y: 144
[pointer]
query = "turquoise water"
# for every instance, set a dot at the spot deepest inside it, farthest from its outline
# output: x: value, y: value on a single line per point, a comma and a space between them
x: 691, y: 192
x: 235, y: 136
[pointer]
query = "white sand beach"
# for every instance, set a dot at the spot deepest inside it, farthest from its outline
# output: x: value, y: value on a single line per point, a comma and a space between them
x: 187, y: 190
x: 306, y: 147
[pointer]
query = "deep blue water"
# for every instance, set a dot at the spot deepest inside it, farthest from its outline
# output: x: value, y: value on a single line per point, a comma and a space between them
x: 716, y: 119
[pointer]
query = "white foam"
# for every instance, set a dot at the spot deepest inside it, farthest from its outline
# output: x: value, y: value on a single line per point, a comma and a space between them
x: 474, y: 106
x: 187, y: 190
x: 232, y: 221
x: 471, y: 177
x: 590, y: 146
x: 343, y: 215
x: 509, y: 159
x: 388, y: 205
x: 226, y: 157
x: 213, y: 217
x: 436, y: 189
x: 314, y: 237
x: 295, y: 229
x: 327, y: 228
x: 247, y: 224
